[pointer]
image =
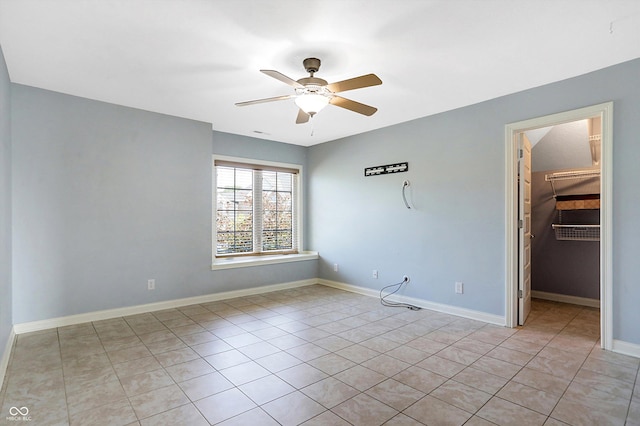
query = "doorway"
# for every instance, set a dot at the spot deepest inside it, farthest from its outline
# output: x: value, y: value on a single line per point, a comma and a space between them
x: 517, y: 294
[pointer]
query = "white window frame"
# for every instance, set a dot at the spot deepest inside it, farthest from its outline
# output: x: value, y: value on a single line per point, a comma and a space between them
x: 226, y: 262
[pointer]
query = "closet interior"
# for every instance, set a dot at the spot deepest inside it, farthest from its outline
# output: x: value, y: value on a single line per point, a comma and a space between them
x: 566, y: 206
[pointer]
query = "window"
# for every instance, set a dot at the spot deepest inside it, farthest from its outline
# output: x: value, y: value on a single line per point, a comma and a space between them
x: 256, y: 209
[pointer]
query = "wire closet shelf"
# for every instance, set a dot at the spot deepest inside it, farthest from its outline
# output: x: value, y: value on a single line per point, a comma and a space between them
x: 572, y: 185
x: 576, y: 232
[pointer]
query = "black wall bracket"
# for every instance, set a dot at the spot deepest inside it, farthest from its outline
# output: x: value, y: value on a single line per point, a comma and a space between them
x: 385, y: 170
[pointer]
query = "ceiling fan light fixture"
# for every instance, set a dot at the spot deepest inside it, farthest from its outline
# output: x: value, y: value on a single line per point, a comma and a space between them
x: 311, y: 103
x: 312, y: 94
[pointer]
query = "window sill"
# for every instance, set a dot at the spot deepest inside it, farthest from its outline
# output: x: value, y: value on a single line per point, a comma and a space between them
x: 248, y: 261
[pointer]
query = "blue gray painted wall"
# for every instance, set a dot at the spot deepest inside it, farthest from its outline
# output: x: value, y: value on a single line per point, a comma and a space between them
x: 5, y: 204
x: 106, y: 197
x: 456, y: 230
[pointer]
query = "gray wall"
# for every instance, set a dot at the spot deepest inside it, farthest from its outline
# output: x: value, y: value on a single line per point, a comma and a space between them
x: 562, y: 267
x: 5, y: 204
x: 106, y: 197
x: 457, y: 230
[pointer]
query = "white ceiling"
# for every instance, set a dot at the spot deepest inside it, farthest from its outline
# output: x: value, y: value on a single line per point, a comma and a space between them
x: 196, y: 58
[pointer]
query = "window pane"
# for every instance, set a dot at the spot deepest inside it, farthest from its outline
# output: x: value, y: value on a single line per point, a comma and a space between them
x: 284, y: 221
x: 229, y: 200
x: 244, y: 179
x: 269, y: 200
x: 284, y: 182
x: 225, y: 177
x: 243, y: 242
x: 244, y: 221
x: 285, y: 240
x: 276, y: 240
x: 225, y: 221
x: 269, y: 241
x: 244, y: 200
x: 235, y: 242
x: 225, y: 243
x: 284, y: 201
x: 269, y: 181
x: 269, y: 220
x: 228, y: 177
x: 225, y: 199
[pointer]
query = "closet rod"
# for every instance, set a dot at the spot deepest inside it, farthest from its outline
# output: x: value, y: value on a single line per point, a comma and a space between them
x: 578, y: 174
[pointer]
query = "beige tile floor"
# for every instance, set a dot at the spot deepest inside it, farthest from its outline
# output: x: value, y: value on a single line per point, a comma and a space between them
x: 321, y: 356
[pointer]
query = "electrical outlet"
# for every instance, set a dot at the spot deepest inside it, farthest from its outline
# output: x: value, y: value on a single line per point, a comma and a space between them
x: 374, y: 274
x: 459, y: 287
x: 151, y: 284
x: 335, y: 267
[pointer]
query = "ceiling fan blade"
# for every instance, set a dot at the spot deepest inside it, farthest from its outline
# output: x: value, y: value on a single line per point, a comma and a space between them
x: 261, y: 101
x: 283, y: 78
x: 353, y: 105
x: 354, y: 83
x: 302, y: 118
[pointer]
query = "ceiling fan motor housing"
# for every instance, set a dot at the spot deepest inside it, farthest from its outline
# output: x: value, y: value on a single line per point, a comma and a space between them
x: 312, y: 65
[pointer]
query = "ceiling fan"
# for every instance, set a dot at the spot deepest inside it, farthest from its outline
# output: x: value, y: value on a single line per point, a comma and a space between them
x: 312, y: 93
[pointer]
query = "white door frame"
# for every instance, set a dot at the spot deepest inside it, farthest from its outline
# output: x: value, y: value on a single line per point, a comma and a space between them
x: 605, y: 111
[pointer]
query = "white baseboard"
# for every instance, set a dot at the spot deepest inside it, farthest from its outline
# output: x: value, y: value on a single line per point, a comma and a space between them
x: 4, y: 360
x: 425, y: 304
x: 47, y: 324
x: 28, y: 327
x: 626, y: 348
x: 574, y: 300
x: 619, y: 346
